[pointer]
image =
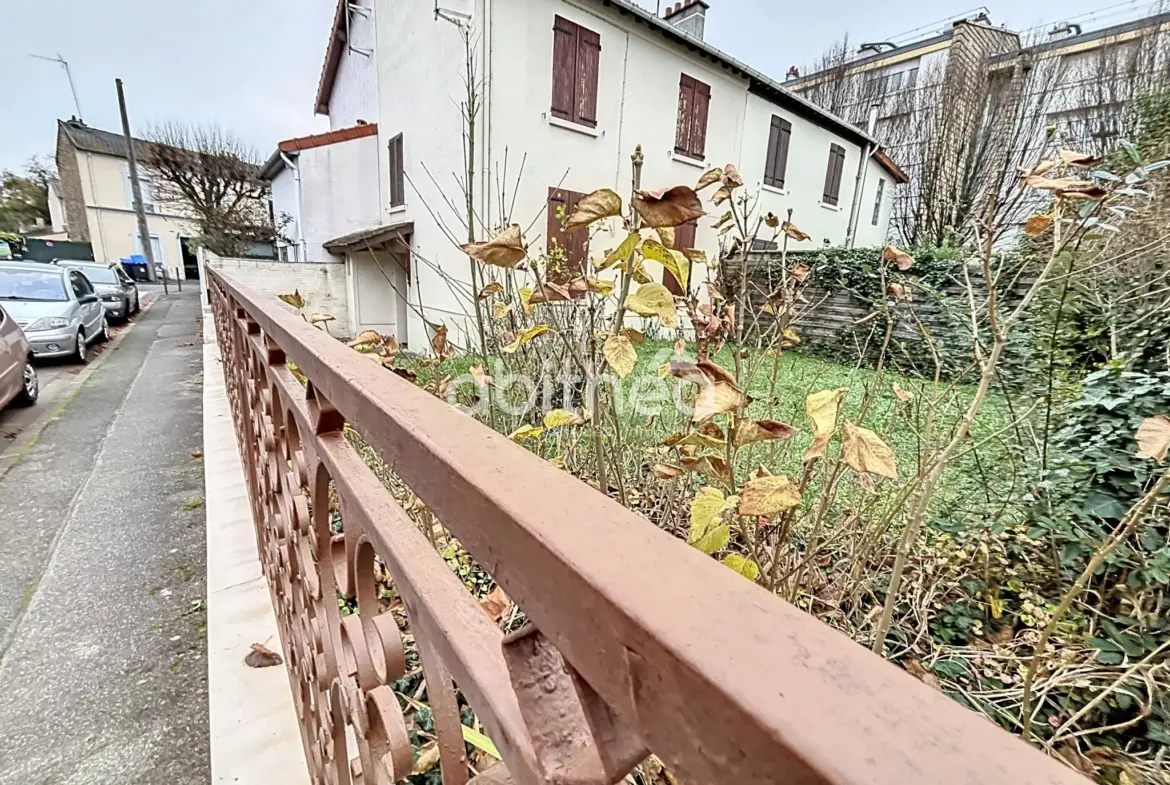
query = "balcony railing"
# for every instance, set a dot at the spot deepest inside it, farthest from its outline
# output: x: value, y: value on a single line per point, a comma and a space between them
x: 636, y: 642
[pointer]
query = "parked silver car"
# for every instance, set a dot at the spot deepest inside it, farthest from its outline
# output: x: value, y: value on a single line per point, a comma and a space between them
x: 119, y: 295
x: 56, y: 307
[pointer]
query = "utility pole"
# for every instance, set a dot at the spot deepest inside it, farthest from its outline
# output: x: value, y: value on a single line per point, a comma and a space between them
x: 136, y: 187
x: 68, y: 75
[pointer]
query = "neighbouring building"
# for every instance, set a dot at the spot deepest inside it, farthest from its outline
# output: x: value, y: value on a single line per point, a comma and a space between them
x: 568, y: 90
x: 95, y: 193
x: 963, y: 105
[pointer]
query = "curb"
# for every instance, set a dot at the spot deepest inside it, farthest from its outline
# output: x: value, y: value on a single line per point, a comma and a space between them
x: 16, y: 451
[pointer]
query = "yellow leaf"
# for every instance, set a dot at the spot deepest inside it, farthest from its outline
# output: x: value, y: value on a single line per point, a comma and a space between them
x: 481, y: 742
x: 768, y: 495
x: 670, y: 207
x: 504, y: 250
x: 1153, y: 437
x: 1037, y: 225
x: 500, y: 310
x: 294, y: 299
x: 598, y: 286
x: 525, y: 293
x: 696, y: 439
x: 620, y: 354
x: 771, y: 220
x: 696, y: 255
x: 710, y: 177
x: 674, y: 262
x: 525, y: 337
x: 822, y: 410
x: 559, y: 417
x: 635, y: 336
x: 789, y: 338
x: 718, y: 391
x: 664, y: 370
x: 748, y: 431
x: 706, y: 509
x: 996, y: 604
x: 559, y: 462
x: 743, y: 565
x: 492, y: 288
x: 864, y: 451
x: 603, y: 203
x: 724, y: 220
x: 525, y: 432
x: 638, y: 273
x: 428, y: 756
x: 621, y: 253
x: 714, y: 540
x: 654, y: 299
x: 666, y: 235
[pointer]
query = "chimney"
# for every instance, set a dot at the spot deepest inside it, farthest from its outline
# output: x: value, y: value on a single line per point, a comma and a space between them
x: 689, y: 16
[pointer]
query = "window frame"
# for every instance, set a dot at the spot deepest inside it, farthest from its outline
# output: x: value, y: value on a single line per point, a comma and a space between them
x: 779, y: 139
x: 877, y: 202
x: 76, y: 278
x: 397, y: 171
x: 576, y: 67
x: 694, y: 103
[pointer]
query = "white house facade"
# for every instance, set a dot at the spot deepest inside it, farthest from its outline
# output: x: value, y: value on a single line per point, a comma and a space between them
x: 567, y: 90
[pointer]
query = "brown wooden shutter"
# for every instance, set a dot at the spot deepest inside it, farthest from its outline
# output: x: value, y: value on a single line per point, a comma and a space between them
x: 776, y: 167
x: 699, y: 119
x: 684, y: 237
x: 564, y: 68
x: 682, y: 129
x: 833, y: 174
x: 588, y: 61
x: 397, y: 177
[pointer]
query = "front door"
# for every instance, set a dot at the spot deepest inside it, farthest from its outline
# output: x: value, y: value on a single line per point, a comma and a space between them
x: 380, y: 286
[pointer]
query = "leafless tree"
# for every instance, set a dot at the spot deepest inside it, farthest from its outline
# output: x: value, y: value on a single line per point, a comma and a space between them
x: 208, y: 175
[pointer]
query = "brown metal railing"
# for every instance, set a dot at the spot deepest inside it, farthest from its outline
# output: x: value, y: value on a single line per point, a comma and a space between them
x: 636, y: 642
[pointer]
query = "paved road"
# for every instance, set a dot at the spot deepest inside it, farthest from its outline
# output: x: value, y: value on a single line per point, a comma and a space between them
x: 102, y: 640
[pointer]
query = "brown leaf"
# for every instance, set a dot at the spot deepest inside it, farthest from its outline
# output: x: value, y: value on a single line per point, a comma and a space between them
x: 554, y: 293
x: 480, y: 375
x: 1082, y: 190
x: 504, y: 250
x: 718, y: 391
x: 438, y: 341
x: 319, y: 318
x: 800, y: 272
x: 709, y: 465
x: 748, y: 431
x: 294, y: 299
x: 709, y: 177
x: 771, y: 220
x: 367, y: 338
x: 696, y: 255
x: 903, y: 396
x: 492, y: 288
x: 666, y: 235
x: 1037, y: 225
x: 768, y: 495
x: 900, y: 258
x: 721, y: 196
x: 407, y: 374
x: 900, y: 292
x: 262, y: 657
x: 713, y: 292
x: 731, y: 176
x: 602, y: 203
x: 1073, y: 158
x: 919, y: 671
x: 864, y: 451
x: 671, y: 207
x: 665, y: 471
x: 635, y: 336
x: 794, y: 233
x: 822, y: 410
x: 1153, y: 437
x: 496, y: 604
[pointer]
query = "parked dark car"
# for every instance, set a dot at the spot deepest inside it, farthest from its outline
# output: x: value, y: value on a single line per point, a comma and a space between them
x: 119, y: 294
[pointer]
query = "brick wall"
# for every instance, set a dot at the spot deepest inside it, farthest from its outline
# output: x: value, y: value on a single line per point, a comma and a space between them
x: 72, y: 197
x: 321, y: 284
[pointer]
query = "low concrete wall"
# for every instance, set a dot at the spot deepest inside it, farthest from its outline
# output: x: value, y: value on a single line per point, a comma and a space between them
x: 321, y: 284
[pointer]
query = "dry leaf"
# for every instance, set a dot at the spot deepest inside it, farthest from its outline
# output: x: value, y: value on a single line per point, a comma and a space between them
x: 654, y: 299
x: 900, y: 258
x: 262, y: 657
x: 674, y: 262
x: 697, y: 439
x: 864, y: 451
x: 822, y: 410
x: 504, y: 250
x: 771, y: 220
x: 706, y: 510
x: 525, y: 432
x: 666, y: 235
x: 1037, y: 225
x: 768, y: 495
x: 602, y: 203
x: 599, y: 286
x: 709, y: 177
x: 319, y: 318
x: 718, y: 391
x: 438, y: 341
x: 721, y: 196
x: 481, y: 378
x: 671, y: 207
x: 551, y: 292
x: 525, y: 337
x: 620, y: 354
x: 732, y: 177
x: 1074, y: 158
x: 748, y: 431
x: 710, y: 465
x: 903, y: 396
x: 558, y: 418
x: 407, y: 374
x: 790, y: 229
x: 500, y: 310
x: 919, y: 671
x: 496, y: 604
x: 621, y: 253
x: 367, y: 338
x: 638, y: 273
x: 900, y: 292
x: 294, y: 299
x: 696, y: 255
x: 635, y: 336
x: 1082, y: 190
x: 713, y: 292
x: 492, y: 288
x: 428, y: 758
x: 1153, y: 437
x: 665, y: 471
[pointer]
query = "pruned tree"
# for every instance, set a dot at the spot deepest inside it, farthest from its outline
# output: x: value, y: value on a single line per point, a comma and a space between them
x: 210, y: 176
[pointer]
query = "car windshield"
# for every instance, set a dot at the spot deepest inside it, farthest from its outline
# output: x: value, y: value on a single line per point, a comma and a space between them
x: 99, y: 274
x: 32, y: 285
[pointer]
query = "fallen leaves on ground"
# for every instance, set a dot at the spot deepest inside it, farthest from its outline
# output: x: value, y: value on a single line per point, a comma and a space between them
x: 495, y: 604
x: 262, y: 657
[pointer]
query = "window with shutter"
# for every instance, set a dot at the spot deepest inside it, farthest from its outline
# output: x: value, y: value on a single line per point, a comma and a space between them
x: 877, y: 202
x: 684, y: 237
x: 566, y: 250
x: 576, y: 58
x: 690, y: 133
x: 833, y: 172
x: 397, y: 178
x: 776, y: 166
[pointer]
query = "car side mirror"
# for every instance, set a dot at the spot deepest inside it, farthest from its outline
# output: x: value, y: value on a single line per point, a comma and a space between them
x: 88, y: 298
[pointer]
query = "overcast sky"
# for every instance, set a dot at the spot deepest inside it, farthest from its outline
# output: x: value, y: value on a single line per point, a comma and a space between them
x: 252, y: 65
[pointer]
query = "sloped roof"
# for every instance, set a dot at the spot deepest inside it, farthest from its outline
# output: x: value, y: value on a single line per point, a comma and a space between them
x: 333, y: 54
x: 94, y: 140
x: 276, y: 163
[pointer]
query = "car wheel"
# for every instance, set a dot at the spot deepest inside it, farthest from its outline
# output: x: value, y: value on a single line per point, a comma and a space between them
x: 137, y: 304
x: 82, y: 353
x: 105, y: 333
x: 30, y: 387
